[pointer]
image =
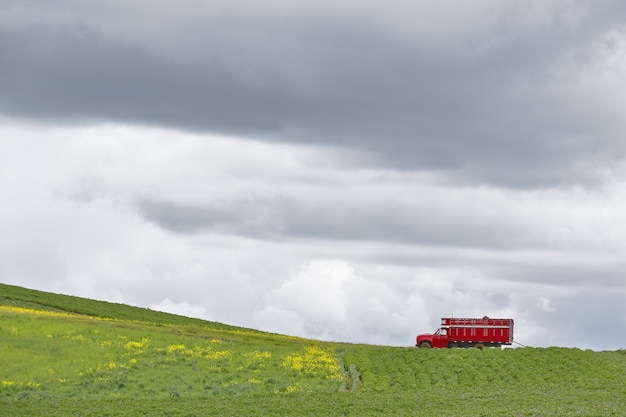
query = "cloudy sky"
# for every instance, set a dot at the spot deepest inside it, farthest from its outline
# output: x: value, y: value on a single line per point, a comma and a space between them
x: 347, y: 171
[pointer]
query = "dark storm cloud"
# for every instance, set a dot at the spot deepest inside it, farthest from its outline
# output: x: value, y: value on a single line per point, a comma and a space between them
x: 502, y: 96
x: 76, y: 75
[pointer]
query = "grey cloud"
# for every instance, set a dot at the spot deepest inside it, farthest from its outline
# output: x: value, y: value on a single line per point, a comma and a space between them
x: 594, y: 312
x: 289, y: 218
x: 499, y: 246
x: 76, y: 75
x: 502, y: 104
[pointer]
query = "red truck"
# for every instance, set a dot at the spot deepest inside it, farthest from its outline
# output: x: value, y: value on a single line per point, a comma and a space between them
x: 464, y: 332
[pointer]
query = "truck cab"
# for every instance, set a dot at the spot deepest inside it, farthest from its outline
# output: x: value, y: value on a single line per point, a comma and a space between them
x: 439, y: 339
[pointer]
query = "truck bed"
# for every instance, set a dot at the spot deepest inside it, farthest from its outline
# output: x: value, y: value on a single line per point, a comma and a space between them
x: 479, y: 330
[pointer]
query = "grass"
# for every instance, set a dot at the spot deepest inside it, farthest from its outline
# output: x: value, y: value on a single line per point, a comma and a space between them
x: 69, y: 356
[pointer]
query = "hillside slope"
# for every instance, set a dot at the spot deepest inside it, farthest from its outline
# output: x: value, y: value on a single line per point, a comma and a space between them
x: 68, y: 356
x: 14, y: 295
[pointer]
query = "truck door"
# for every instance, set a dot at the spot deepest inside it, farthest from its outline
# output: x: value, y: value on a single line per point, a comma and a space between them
x: 440, y: 338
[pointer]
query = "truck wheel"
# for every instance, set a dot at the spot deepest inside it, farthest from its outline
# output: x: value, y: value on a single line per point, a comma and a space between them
x: 452, y: 345
x: 425, y: 345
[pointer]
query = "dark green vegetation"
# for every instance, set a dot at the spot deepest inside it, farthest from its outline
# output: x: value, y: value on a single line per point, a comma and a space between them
x: 68, y: 356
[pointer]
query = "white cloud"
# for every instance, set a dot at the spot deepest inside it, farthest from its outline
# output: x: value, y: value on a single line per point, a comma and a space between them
x: 318, y: 290
x: 544, y: 303
x: 327, y: 300
x: 183, y: 308
x: 72, y: 223
x: 273, y: 319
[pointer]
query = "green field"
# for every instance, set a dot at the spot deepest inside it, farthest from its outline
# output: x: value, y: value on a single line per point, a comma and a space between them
x: 69, y: 356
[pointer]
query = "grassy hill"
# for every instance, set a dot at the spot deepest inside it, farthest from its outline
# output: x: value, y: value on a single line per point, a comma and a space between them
x: 70, y: 356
